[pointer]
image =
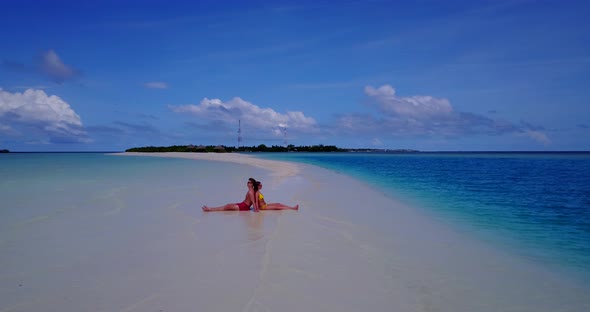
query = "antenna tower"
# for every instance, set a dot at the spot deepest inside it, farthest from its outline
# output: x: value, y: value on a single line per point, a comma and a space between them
x: 285, y: 136
x: 239, y: 132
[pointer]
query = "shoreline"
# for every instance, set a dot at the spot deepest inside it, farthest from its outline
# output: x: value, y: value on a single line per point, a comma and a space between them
x: 407, y: 247
x: 278, y: 168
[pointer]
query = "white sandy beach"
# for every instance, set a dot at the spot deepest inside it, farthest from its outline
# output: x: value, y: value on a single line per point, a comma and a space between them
x: 348, y: 248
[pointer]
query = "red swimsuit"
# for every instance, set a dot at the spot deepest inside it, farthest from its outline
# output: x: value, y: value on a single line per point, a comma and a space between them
x: 243, y: 206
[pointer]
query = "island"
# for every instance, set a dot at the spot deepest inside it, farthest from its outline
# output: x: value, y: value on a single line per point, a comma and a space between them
x: 4, y: 151
x: 260, y: 148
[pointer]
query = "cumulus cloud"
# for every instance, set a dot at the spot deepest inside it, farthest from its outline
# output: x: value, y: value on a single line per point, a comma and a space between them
x: 156, y: 85
x: 418, y: 107
x: 252, y: 115
x: 52, y: 65
x: 426, y: 116
x: 35, y: 114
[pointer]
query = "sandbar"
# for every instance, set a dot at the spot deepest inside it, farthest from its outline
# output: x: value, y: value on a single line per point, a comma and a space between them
x: 129, y: 235
x: 352, y: 248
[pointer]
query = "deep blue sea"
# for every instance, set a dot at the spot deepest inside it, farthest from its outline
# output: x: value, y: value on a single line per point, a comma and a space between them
x: 535, y: 204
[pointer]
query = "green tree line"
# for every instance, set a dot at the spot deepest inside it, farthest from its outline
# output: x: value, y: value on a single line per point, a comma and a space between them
x: 230, y: 149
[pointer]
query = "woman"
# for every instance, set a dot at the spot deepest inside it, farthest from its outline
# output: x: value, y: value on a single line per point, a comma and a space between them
x: 244, y: 205
x: 262, y: 205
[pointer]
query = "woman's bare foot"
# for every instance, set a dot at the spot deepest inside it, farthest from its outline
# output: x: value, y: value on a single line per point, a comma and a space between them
x: 296, y: 207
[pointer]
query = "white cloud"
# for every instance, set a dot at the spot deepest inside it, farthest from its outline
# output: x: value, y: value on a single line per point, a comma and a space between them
x: 54, y: 67
x: 34, y: 113
x: 419, y: 107
x: 392, y: 116
x: 425, y: 116
x: 251, y: 115
x: 156, y: 85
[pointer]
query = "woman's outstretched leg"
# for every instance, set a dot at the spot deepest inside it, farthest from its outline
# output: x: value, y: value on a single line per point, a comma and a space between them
x: 279, y: 206
x: 221, y: 208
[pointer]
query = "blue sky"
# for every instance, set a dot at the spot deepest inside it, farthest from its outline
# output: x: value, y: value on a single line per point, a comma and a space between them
x: 427, y: 75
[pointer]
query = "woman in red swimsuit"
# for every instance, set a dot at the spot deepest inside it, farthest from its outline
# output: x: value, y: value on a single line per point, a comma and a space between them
x: 244, y: 205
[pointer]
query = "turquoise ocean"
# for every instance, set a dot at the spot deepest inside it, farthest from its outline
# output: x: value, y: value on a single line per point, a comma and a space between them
x: 37, y: 187
x: 536, y: 205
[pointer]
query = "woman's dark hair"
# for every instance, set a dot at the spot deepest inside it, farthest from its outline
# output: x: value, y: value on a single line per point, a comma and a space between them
x: 255, y: 184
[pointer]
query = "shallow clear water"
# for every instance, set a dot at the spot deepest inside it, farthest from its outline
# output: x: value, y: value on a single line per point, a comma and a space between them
x: 536, y: 204
x: 43, y: 185
x: 38, y: 186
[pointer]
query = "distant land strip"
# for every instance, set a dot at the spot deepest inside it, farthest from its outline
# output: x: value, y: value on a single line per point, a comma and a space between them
x: 259, y: 148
